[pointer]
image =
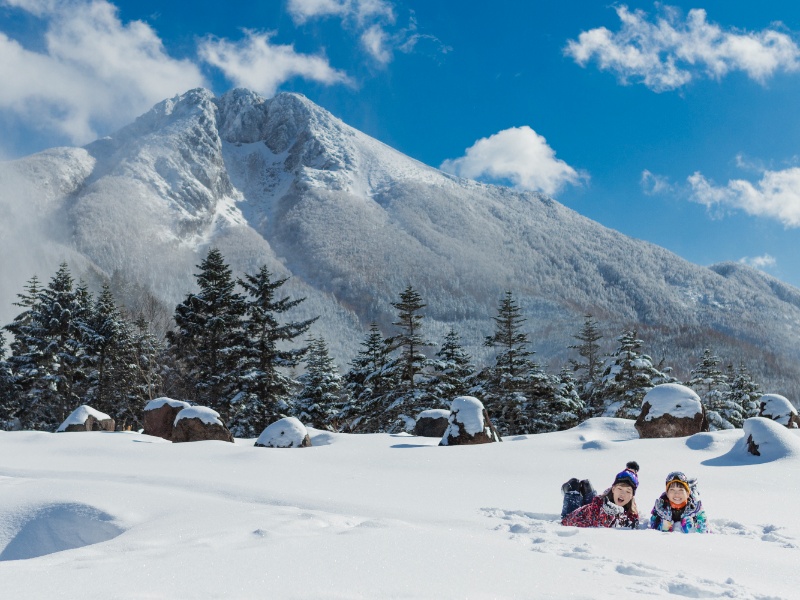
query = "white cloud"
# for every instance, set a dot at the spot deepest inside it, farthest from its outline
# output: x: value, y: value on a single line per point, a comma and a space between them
x: 518, y: 154
x: 93, y: 72
x: 255, y: 63
x: 776, y: 195
x: 668, y: 52
x: 360, y: 11
x: 759, y: 262
x: 653, y: 184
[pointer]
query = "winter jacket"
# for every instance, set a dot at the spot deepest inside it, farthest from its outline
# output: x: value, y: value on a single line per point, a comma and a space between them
x: 602, y: 512
x: 690, y: 518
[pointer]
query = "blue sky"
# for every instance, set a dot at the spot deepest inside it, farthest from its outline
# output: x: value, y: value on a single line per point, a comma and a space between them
x: 673, y: 122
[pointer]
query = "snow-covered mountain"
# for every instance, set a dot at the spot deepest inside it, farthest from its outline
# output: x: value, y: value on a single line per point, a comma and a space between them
x: 282, y: 182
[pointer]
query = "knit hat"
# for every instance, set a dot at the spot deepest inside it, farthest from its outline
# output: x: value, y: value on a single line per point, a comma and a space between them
x: 629, y: 476
x: 679, y: 477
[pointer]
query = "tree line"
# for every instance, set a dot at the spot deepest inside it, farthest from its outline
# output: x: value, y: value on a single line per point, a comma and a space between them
x: 234, y: 348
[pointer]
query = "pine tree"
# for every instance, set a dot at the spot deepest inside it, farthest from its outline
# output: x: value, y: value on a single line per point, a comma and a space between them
x: 320, y: 400
x: 266, y: 389
x: 207, y: 341
x: 452, y: 372
x: 367, y: 383
x: 8, y: 400
x: 743, y: 393
x: 711, y: 385
x: 590, y: 368
x: 628, y: 376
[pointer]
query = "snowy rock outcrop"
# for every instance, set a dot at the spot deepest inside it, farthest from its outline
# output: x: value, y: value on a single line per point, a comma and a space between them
x: 468, y: 424
x: 671, y: 410
x: 779, y: 409
x: 198, y: 424
x: 288, y: 432
x: 159, y: 416
x: 85, y: 418
x: 432, y: 423
x: 768, y: 439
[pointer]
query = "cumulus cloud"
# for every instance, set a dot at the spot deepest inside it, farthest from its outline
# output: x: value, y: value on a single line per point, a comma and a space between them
x: 759, y: 262
x: 255, y: 63
x: 518, y: 154
x: 776, y: 195
x: 670, y: 51
x: 93, y: 72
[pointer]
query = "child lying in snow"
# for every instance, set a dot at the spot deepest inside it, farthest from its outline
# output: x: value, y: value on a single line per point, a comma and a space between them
x: 679, y: 508
x: 616, y: 507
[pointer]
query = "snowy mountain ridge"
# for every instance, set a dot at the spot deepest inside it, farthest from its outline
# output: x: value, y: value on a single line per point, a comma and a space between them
x: 283, y: 182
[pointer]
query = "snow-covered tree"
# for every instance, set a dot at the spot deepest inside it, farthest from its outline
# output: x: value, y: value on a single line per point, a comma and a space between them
x: 452, y: 372
x: 744, y: 393
x: 207, y: 340
x: 321, y: 399
x: 627, y: 377
x: 367, y: 382
x: 266, y: 388
x: 711, y: 384
x: 590, y: 367
x: 8, y: 399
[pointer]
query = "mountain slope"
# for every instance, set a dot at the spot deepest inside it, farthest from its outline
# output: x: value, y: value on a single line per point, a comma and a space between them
x: 284, y: 183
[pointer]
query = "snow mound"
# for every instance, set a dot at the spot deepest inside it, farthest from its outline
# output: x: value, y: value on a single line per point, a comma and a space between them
x: 606, y: 428
x: 159, y: 402
x: 205, y: 414
x: 288, y: 432
x: 59, y: 527
x: 79, y: 416
x: 779, y: 409
x: 772, y: 440
x: 672, y: 399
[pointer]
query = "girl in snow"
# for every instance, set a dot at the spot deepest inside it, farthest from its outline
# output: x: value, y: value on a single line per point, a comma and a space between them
x: 679, y: 507
x: 616, y: 507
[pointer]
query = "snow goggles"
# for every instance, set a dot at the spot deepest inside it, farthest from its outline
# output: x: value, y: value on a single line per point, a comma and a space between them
x: 678, y: 477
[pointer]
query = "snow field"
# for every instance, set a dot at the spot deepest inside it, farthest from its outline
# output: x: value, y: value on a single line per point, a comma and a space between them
x: 385, y: 516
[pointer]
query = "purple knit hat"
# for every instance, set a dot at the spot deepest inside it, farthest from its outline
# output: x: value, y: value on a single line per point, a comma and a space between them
x: 629, y: 476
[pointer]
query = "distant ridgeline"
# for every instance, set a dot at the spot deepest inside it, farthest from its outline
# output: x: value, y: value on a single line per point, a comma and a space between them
x: 233, y: 347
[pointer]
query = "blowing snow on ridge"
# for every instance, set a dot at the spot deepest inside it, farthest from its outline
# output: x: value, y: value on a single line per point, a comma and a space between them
x: 282, y: 182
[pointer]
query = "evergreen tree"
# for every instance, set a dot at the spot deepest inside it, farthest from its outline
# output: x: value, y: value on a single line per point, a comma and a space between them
x: 8, y: 400
x: 743, y: 393
x: 266, y: 389
x: 320, y: 400
x: 590, y: 368
x: 452, y: 372
x: 207, y: 341
x: 711, y: 385
x: 628, y: 376
x: 367, y: 383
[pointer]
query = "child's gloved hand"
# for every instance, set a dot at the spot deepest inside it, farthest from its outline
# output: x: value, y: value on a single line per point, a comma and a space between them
x: 688, y: 525
x: 663, y: 511
x: 613, y: 509
x: 667, y: 525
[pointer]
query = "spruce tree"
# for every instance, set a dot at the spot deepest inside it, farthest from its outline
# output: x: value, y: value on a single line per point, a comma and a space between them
x: 452, y: 372
x: 590, y: 368
x: 367, y: 383
x: 743, y: 393
x: 266, y: 390
x: 8, y: 399
x: 627, y: 377
x: 320, y: 400
x: 711, y: 385
x: 207, y: 341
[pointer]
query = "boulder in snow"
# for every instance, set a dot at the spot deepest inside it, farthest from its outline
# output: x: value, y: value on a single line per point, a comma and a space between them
x: 159, y: 416
x: 198, y: 424
x: 779, y: 409
x: 769, y: 439
x: 431, y: 423
x: 288, y: 432
x: 85, y: 418
x: 468, y: 423
x: 671, y: 410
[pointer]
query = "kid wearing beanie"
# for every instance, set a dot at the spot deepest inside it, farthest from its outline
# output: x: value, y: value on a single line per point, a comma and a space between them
x: 679, y: 508
x: 615, y: 507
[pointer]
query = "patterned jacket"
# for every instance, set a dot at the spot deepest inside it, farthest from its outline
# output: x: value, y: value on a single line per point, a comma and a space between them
x: 602, y: 512
x: 692, y: 518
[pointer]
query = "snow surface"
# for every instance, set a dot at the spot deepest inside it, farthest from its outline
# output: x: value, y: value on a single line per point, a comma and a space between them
x: 288, y: 432
x: 79, y: 416
x: 129, y: 516
x: 205, y: 414
x: 159, y: 402
x: 778, y: 408
x: 673, y: 399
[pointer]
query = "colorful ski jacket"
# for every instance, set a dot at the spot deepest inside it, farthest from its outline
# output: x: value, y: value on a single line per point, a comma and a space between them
x: 602, y: 512
x: 691, y: 518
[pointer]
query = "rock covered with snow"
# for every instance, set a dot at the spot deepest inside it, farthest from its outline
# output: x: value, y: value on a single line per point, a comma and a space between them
x: 768, y: 439
x: 288, y: 432
x: 85, y: 418
x: 199, y: 423
x: 160, y: 414
x: 431, y: 423
x: 671, y: 410
x: 779, y: 409
x: 468, y: 424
